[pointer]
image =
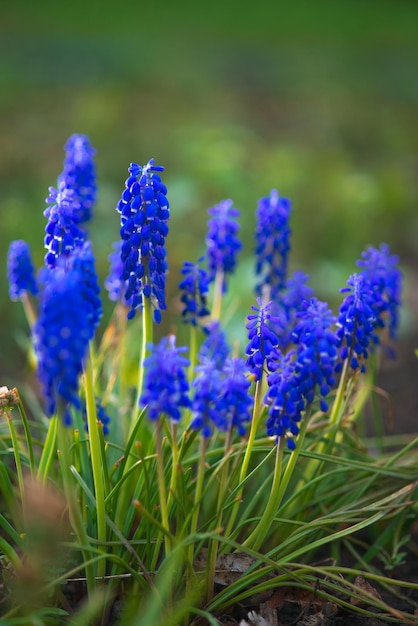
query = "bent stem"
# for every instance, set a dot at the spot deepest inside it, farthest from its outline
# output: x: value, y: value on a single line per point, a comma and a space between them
x: 96, y: 459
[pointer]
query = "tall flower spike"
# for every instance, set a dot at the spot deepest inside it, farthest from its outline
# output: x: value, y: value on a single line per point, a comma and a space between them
x: 380, y: 269
x: 79, y: 174
x: 61, y: 336
x: 357, y: 321
x: 295, y: 292
x: 144, y: 212
x: 284, y: 399
x: 222, y: 240
x: 82, y: 261
x: 272, y: 236
x: 114, y: 284
x: 206, y: 408
x: 20, y: 270
x: 262, y: 340
x: 236, y: 400
x: 195, y: 286
x: 316, y: 351
x: 166, y: 387
x: 215, y: 347
x: 62, y: 233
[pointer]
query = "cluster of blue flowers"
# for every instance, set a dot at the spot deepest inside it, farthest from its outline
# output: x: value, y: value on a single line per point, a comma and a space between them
x: 294, y: 341
x: 71, y: 203
x: 20, y: 271
x: 144, y: 214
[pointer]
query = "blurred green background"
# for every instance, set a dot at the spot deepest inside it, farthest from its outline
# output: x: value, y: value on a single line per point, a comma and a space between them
x: 318, y: 99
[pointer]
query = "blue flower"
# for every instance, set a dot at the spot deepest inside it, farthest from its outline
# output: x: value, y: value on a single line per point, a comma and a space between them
x: 165, y: 385
x: 206, y: 407
x: 82, y: 261
x: 262, y: 340
x: 62, y: 233
x: 61, y: 336
x: 284, y: 399
x: 272, y: 236
x: 79, y: 174
x: 20, y: 270
x: 380, y: 269
x: 195, y: 287
x: 144, y: 212
x: 221, y: 399
x: 114, y: 284
x: 236, y: 401
x: 358, y: 321
x: 215, y: 347
x: 285, y: 309
x: 222, y: 241
x: 316, y: 351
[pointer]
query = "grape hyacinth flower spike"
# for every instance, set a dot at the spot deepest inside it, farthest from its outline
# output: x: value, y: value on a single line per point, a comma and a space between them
x: 223, y: 245
x: 61, y: 336
x: 380, y: 269
x: 144, y: 214
x: 20, y: 271
x: 272, y: 236
x: 262, y: 340
x: 316, y: 351
x: 114, y: 284
x: 358, y: 321
x: 284, y: 399
x: 62, y: 232
x: 79, y: 174
x: 165, y: 386
x: 195, y: 287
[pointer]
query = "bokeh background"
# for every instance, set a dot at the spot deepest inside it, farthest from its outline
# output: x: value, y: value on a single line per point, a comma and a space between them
x: 318, y: 99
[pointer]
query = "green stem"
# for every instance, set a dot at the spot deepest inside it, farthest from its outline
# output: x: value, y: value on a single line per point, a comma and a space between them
x: 201, y: 470
x: 256, y: 538
x: 28, y: 434
x: 147, y: 333
x: 96, y: 460
x: 278, y: 487
x: 249, y: 444
x: 29, y: 309
x: 217, y: 295
x: 49, y: 449
x: 214, y: 544
x: 74, y: 511
x: 161, y: 485
x: 174, y: 466
x: 16, y: 452
x: 192, y: 352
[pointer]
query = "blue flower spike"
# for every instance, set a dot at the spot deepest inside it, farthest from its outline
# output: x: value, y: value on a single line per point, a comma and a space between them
x: 222, y: 241
x: 166, y: 387
x: 79, y: 174
x: 316, y: 351
x: 144, y: 214
x: 195, y: 287
x: 284, y: 399
x: 262, y: 340
x: 20, y: 271
x: 272, y: 237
